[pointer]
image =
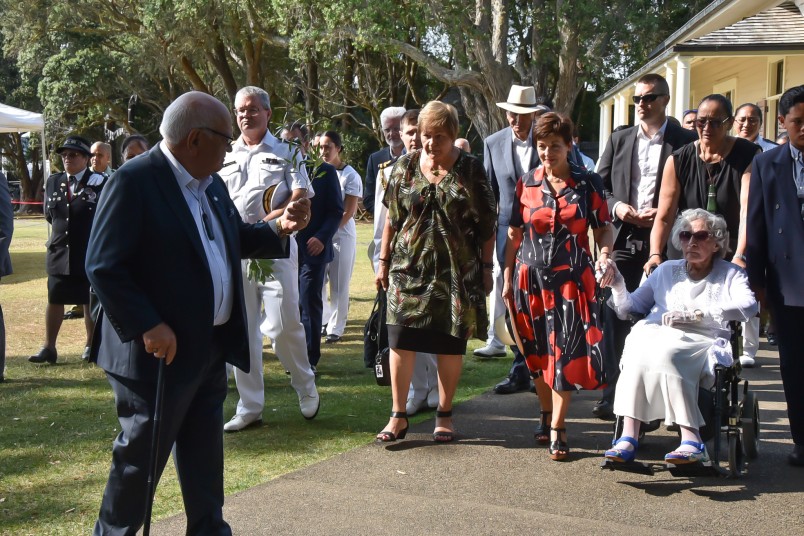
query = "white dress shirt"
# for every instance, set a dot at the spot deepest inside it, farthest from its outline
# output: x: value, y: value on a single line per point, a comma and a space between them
x: 523, y: 152
x: 220, y: 270
x: 645, y: 167
x: 248, y: 171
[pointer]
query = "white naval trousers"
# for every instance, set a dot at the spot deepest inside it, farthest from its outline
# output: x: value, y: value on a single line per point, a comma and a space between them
x: 272, y: 310
x: 339, y: 273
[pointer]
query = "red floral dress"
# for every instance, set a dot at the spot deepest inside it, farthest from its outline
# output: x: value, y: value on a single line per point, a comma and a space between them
x: 557, y: 313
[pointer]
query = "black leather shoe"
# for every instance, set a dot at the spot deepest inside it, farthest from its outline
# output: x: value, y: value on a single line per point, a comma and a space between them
x: 85, y: 356
x: 45, y: 355
x: 331, y: 339
x: 772, y: 339
x: 70, y: 315
x: 511, y: 385
x: 796, y: 458
x: 603, y: 409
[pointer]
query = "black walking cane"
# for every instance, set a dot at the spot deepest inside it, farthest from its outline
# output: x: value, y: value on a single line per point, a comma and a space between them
x: 152, y: 466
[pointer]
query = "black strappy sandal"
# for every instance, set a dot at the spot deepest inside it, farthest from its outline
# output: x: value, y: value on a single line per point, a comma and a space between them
x: 559, y: 450
x: 542, y: 430
x: 444, y: 436
x: 387, y: 436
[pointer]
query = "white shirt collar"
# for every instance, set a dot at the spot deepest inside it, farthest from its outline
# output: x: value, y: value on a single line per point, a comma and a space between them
x: 659, y: 134
x: 522, y: 143
x: 268, y: 140
x: 183, y: 176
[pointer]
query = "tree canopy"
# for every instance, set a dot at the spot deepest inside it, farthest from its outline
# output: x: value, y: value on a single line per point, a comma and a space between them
x: 336, y: 63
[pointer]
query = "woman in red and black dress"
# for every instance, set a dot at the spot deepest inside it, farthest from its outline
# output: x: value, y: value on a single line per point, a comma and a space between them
x: 552, y: 288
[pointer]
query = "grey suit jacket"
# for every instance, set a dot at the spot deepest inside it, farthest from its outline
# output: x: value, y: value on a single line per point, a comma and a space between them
x: 615, y: 168
x: 498, y: 161
x: 775, y: 230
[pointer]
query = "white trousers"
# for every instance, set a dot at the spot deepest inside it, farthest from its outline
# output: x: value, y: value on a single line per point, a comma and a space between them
x: 496, y: 305
x: 272, y: 310
x: 425, y: 376
x: 750, y: 337
x: 339, y: 273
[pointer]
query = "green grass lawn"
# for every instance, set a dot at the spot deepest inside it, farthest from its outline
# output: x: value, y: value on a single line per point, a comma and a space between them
x: 57, y: 423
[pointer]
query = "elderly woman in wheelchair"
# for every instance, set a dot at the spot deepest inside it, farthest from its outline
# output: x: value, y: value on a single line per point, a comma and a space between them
x: 672, y: 351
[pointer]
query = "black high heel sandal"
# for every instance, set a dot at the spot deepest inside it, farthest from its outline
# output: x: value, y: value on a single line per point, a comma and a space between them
x: 387, y: 436
x: 444, y: 436
x: 542, y: 430
x: 558, y: 449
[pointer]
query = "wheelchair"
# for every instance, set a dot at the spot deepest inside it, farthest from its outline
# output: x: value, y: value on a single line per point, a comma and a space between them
x: 731, y: 412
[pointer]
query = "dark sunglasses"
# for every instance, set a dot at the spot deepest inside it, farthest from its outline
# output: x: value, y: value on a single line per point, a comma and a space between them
x: 699, y: 236
x: 715, y: 123
x: 650, y: 97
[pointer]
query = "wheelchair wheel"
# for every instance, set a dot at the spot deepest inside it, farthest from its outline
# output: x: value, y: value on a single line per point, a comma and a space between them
x: 736, y: 460
x: 750, y: 425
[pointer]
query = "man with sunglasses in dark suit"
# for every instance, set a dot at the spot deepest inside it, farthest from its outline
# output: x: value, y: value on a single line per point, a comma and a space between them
x: 631, y: 168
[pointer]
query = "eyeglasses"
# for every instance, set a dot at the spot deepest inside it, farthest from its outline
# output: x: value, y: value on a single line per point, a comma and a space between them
x: 749, y: 120
x: 714, y: 123
x: 229, y: 139
x: 390, y: 130
x: 246, y: 111
x: 71, y: 154
x: 648, y: 98
x: 699, y: 236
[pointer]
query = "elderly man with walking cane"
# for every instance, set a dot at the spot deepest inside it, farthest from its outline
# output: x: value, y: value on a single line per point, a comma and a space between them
x: 164, y: 260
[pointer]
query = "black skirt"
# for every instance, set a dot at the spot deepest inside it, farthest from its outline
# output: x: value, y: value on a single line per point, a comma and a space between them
x: 67, y: 289
x: 424, y: 340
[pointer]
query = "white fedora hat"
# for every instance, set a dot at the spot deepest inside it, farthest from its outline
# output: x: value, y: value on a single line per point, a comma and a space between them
x: 521, y: 100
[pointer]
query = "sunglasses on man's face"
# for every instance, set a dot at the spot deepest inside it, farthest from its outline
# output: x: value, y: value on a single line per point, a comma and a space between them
x: 648, y: 98
x: 699, y: 236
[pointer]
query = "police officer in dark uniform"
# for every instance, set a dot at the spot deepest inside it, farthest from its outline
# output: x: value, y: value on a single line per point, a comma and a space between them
x: 71, y: 198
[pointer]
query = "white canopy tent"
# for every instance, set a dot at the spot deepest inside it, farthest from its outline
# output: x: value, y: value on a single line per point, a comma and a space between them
x: 17, y: 120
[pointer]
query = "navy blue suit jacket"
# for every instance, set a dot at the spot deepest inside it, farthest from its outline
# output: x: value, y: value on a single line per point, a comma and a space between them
x: 6, y: 227
x: 326, y: 211
x: 775, y: 230
x: 147, y: 265
x: 372, y: 168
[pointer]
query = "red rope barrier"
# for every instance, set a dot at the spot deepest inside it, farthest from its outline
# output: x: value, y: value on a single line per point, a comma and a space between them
x: 27, y: 202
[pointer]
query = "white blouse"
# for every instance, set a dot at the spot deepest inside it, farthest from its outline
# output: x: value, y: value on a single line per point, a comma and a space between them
x: 723, y: 296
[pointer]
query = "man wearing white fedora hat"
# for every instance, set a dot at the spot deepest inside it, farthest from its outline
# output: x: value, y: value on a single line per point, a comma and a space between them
x: 507, y: 155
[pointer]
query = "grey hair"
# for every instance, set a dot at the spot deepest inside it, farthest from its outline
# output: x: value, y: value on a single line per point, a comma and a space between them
x: 180, y: 117
x: 393, y: 112
x: 715, y: 224
x: 248, y: 91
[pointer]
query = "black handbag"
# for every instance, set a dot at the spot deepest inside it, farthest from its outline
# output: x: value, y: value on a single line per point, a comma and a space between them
x: 375, y: 341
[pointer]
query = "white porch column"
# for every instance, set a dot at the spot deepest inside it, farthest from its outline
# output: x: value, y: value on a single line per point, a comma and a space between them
x: 682, y: 86
x: 670, y: 76
x: 605, y: 126
x: 622, y: 109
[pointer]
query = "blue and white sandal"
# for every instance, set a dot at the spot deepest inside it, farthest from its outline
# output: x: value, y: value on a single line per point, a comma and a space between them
x: 622, y: 455
x: 681, y: 457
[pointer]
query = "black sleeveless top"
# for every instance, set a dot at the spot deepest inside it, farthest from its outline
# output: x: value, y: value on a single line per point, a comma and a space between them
x: 694, y: 174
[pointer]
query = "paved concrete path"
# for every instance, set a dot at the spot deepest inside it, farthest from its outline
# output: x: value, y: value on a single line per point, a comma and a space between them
x: 496, y: 481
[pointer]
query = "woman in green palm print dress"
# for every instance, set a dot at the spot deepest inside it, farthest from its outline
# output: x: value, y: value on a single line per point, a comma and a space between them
x: 435, y: 262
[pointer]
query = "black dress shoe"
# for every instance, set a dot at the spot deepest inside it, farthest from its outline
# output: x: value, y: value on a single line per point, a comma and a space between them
x: 69, y: 315
x: 331, y: 339
x: 796, y: 458
x: 45, y: 355
x: 511, y: 385
x: 603, y: 409
x: 772, y: 339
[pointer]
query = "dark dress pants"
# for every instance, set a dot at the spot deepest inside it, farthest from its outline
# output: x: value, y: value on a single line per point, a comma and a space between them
x: 788, y: 321
x: 191, y: 426
x: 311, y: 282
x: 615, y: 330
